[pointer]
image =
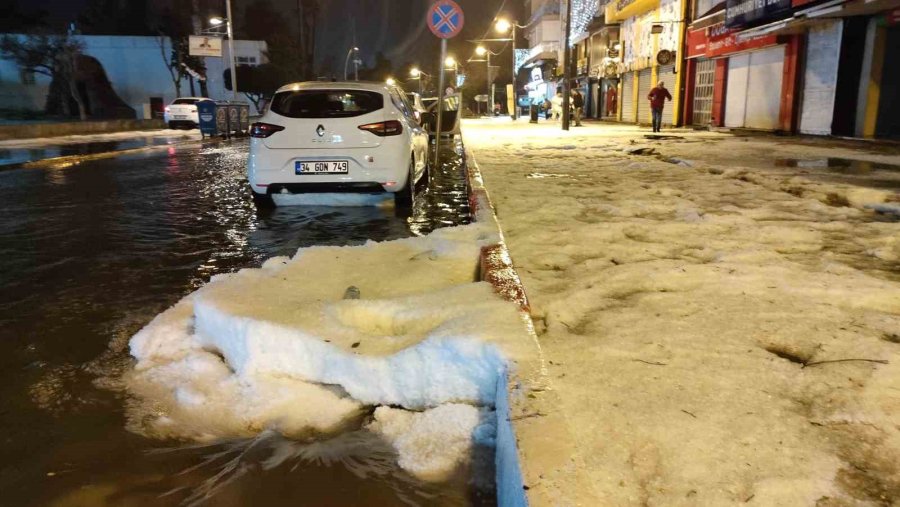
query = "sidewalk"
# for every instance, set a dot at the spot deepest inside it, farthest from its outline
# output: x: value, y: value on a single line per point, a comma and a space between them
x: 719, y: 315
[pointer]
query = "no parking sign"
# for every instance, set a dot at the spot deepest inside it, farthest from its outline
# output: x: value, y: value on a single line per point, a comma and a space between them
x: 445, y: 19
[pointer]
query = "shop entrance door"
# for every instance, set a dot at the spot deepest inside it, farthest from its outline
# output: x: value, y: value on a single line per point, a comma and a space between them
x: 753, y: 99
x: 628, y: 97
x: 644, y: 87
x: 704, y: 83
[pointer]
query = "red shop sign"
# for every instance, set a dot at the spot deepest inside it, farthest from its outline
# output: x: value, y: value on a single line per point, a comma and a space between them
x: 696, y: 43
x: 723, y: 41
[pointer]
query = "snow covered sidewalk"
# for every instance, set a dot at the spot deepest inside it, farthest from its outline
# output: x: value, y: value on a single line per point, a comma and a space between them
x: 720, y: 316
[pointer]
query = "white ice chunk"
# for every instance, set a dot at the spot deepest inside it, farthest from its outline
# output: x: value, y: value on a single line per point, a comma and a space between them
x: 432, y: 444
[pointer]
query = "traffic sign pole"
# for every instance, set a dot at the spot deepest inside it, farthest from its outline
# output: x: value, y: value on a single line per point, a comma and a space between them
x: 445, y: 19
x: 440, y: 108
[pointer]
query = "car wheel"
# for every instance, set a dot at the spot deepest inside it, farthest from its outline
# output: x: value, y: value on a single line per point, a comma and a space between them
x: 404, y: 198
x: 262, y: 200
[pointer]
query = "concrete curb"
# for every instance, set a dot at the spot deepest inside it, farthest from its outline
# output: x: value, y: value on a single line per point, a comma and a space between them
x: 496, y: 267
x: 36, y: 130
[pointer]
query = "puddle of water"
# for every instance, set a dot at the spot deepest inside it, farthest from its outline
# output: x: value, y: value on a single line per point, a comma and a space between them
x: 94, y: 252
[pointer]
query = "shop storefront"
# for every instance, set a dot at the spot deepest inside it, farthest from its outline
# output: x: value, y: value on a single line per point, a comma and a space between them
x: 651, y: 33
x: 605, y: 59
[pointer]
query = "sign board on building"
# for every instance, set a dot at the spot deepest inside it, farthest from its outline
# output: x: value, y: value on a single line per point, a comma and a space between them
x: 204, y: 45
x: 536, y: 75
x: 893, y: 17
x: 747, y: 13
x: 718, y: 40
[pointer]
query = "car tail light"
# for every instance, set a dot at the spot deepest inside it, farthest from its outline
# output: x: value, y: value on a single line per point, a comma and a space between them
x: 263, y: 130
x: 384, y: 128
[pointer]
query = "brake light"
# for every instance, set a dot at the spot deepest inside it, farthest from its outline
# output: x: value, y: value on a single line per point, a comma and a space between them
x: 384, y: 128
x: 263, y: 130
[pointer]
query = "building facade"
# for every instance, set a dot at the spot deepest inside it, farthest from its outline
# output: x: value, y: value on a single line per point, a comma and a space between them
x: 795, y: 66
x: 136, y: 71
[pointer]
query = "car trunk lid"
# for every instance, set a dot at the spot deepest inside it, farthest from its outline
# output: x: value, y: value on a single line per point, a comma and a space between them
x: 325, y: 119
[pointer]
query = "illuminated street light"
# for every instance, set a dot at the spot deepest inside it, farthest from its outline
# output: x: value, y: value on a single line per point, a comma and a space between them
x: 481, y: 51
x: 390, y: 81
x: 502, y: 26
x: 414, y: 72
x: 450, y: 62
x: 216, y: 21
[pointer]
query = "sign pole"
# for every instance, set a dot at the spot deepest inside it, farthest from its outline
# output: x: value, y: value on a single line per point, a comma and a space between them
x: 440, y: 107
x: 234, y: 85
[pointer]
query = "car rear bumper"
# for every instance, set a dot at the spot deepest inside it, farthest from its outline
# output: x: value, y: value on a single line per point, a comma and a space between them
x: 326, y: 188
x: 370, y: 170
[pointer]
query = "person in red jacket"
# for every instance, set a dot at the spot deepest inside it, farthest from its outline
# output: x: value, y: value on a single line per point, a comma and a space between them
x: 657, y: 98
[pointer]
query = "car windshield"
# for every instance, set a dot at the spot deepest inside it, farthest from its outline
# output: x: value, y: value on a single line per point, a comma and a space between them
x: 326, y: 103
x: 185, y: 101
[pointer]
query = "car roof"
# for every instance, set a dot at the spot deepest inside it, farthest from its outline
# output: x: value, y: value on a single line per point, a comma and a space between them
x: 190, y: 98
x: 374, y: 86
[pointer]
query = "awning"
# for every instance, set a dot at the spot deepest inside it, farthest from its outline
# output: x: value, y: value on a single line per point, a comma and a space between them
x: 624, y: 9
x: 803, y: 19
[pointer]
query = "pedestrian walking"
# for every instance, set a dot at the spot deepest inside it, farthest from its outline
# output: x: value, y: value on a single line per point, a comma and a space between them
x: 657, y: 98
x: 578, y: 104
x: 557, y: 104
x: 548, y: 109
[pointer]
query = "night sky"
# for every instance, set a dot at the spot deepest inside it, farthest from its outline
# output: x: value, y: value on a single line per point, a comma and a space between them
x: 393, y: 27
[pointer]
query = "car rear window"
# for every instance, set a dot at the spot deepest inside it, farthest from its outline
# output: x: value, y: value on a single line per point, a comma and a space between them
x: 185, y: 101
x: 326, y: 103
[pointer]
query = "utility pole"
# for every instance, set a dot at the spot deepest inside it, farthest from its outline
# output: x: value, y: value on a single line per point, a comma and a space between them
x: 234, y: 81
x: 567, y: 68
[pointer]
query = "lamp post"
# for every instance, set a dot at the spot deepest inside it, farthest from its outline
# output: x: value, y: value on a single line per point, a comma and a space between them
x: 417, y: 74
x: 567, y: 67
x: 450, y: 63
x: 503, y: 26
x: 228, y: 29
x: 347, y: 62
x: 485, y: 52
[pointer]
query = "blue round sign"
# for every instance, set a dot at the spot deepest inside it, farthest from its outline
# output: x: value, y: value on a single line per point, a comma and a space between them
x: 445, y: 19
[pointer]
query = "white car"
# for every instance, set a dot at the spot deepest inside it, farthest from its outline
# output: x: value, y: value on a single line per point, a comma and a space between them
x: 182, y: 112
x: 337, y: 137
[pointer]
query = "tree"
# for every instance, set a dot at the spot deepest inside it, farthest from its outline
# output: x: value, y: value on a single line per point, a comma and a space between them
x: 382, y: 69
x: 173, y: 25
x: 256, y: 82
x: 55, y: 56
x: 116, y: 17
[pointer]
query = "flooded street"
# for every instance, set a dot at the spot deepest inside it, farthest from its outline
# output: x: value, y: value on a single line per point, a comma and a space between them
x: 89, y: 254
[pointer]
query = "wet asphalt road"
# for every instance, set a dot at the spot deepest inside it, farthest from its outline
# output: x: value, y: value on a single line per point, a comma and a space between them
x: 89, y: 254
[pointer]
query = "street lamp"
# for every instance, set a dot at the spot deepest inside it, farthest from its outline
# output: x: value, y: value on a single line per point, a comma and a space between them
x: 417, y: 74
x: 503, y: 26
x: 483, y: 51
x: 217, y: 21
x: 390, y: 81
x: 347, y: 63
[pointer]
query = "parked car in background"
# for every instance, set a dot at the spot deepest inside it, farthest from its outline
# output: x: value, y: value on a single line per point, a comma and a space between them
x: 337, y: 137
x: 182, y: 113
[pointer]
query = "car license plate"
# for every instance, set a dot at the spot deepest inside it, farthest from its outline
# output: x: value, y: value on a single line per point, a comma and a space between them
x: 322, y: 167
x: 181, y: 117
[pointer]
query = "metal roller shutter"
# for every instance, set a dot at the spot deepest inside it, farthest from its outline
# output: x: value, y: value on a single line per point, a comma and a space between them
x: 644, y: 88
x: 704, y: 83
x: 666, y: 74
x: 627, y: 97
